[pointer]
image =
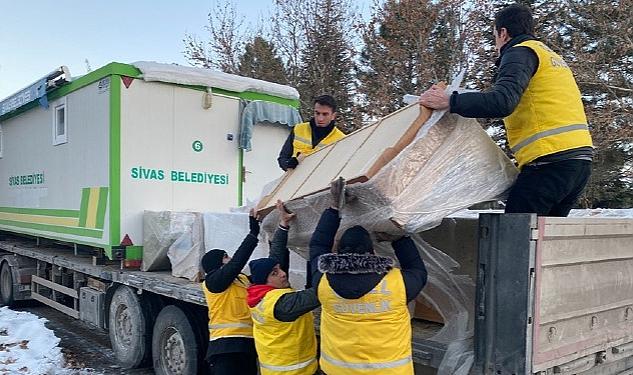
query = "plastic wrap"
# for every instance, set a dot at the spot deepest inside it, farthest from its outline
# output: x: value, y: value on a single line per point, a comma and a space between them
x: 450, y: 165
x: 172, y: 236
x: 187, y: 250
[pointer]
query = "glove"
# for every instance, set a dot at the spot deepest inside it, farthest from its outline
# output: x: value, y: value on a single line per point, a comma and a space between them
x: 292, y: 163
x: 337, y: 192
x: 253, y: 225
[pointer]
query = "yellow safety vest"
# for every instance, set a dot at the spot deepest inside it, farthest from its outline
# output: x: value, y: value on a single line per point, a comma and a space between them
x: 303, y: 139
x: 550, y: 116
x: 287, y: 348
x: 228, y: 311
x: 367, y: 335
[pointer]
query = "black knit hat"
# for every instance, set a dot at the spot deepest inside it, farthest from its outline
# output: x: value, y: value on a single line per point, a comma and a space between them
x: 212, y: 260
x: 355, y: 240
x: 261, y: 268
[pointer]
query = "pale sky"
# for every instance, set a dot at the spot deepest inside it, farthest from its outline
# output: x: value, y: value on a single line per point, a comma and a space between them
x: 38, y: 36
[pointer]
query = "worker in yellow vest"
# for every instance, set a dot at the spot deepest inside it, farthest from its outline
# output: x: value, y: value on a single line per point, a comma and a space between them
x: 231, y: 345
x: 283, y: 324
x: 365, y: 324
x: 536, y: 93
x: 308, y: 137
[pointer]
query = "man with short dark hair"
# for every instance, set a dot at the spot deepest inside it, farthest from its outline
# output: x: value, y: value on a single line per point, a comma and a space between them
x: 545, y: 121
x: 283, y: 324
x: 308, y: 137
x: 365, y: 324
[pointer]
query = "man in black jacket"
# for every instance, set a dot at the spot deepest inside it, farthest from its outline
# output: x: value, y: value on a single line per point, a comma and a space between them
x: 283, y: 322
x: 545, y: 121
x: 365, y: 323
x: 231, y: 346
x: 308, y: 137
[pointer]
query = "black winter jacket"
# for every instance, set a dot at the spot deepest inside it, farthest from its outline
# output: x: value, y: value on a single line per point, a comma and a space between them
x: 219, y: 280
x: 352, y: 286
x: 290, y: 306
x: 285, y: 159
x: 516, y: 67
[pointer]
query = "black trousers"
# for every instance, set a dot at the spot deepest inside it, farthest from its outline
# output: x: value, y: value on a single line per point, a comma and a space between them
x: 233, y: 364
x: 549, y: 189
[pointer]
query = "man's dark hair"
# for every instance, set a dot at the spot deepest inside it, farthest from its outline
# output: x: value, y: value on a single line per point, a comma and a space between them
x: 516, y: 18
x: 326, y: 100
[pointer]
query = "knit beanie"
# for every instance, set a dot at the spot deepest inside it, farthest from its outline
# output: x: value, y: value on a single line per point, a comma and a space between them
x: 261, y: 268
x: 212, y: 260
x: 355, y: 240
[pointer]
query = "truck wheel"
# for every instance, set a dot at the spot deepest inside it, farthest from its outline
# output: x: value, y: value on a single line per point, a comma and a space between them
x: 175, y: 348
x: 6, y: 285
x: 130, y: 328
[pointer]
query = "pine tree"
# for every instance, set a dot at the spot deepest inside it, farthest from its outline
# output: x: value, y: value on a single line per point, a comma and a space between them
x: 326, y: 60
x: 395, y: 60
x: 260, y: 61
x: 596, y: 42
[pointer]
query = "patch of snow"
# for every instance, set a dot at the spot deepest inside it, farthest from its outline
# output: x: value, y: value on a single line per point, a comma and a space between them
x: 188, y: 75
x: 603, y: 212
x: 590, y: 212
x: 28, y: 347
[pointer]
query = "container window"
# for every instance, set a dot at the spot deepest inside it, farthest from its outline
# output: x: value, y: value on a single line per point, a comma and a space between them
x: 60, y: 124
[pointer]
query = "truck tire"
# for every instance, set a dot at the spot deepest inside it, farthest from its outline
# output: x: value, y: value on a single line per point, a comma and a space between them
x: 130, y: 328
x: 175, y: 346
x: 6, y: 285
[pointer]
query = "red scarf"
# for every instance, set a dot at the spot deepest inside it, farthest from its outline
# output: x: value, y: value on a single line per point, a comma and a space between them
x: 256, y: 293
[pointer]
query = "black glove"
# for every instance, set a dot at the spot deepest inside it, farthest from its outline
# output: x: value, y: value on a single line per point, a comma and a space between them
x: 337, y: 193
x: 292, y: 163
x: 253, y: 225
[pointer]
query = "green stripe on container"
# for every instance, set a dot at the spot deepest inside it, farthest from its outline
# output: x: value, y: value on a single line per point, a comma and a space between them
x: 115, y: 161
x: 83, y: 211
x: 40, y: 211
x: 83, y: 232
x: 101, y: 206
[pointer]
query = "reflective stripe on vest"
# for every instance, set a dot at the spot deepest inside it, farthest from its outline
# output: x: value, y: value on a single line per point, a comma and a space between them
x: 283, y: 347
x: 350, y: 344
x: 547, y: 133
x: 302, y: 143
x: 288, y: 368
x: 367, y: 366
x: 549, y: 117
x: 228, y: 311
x: 229, y: 325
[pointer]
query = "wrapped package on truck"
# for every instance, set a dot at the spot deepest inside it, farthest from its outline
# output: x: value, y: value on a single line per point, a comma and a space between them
x: 407, y: 171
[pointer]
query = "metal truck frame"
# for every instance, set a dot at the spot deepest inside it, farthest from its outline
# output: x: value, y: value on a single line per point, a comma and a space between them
x: 553, y: 296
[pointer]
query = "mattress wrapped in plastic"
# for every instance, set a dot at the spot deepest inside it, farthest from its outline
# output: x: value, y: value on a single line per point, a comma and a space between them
x: 405, y: 178
x: 449, y: 165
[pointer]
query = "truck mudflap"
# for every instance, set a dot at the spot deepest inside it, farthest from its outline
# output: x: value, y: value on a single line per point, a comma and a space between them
x: 554, y: 295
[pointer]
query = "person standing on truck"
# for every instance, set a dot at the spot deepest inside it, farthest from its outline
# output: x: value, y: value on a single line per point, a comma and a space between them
x: 283, y: 324
x: 545, y: 121
x: 365, y: 322
x: 231, y: 344
x: 308, y: 137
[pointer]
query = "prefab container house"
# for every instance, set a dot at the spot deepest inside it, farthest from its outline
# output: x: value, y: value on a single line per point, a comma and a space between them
x: 81, y: 159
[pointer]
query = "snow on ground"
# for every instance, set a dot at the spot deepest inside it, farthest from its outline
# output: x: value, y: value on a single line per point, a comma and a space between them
x: 28, y: 347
